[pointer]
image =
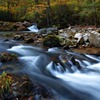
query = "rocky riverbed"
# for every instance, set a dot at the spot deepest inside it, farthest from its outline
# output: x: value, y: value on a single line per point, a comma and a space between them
x: 78, y: 39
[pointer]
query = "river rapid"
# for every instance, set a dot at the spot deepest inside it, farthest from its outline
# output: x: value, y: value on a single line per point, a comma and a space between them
x: 68, y: 75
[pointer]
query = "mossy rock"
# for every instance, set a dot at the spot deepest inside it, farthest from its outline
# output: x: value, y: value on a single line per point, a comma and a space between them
x: 29, y: 40
x: 70, y: 42
x: 4, y: 57
x: 51, y: 41
x: 8, y: 34
x: 18, y: 37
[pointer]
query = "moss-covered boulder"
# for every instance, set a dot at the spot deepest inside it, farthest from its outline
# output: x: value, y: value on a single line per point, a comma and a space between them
x: 51, y: 41
x: 4, y: 57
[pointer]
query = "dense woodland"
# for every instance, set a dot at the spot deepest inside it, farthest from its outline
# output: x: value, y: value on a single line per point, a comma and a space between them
x: 59, y: 13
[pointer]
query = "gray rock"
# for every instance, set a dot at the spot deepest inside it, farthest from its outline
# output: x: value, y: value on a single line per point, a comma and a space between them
x: 48, y: 31
x: 82, y: 37
x: 79, y: 37
x: 27, y: 24
x: 86, y: 36
x: 94, y: 39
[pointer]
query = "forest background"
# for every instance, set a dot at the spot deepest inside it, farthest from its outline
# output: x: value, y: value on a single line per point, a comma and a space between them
x: 60, y: 13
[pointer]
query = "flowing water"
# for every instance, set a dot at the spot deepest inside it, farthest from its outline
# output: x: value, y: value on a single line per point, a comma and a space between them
x: 33, y: 28
x: 69, y: 75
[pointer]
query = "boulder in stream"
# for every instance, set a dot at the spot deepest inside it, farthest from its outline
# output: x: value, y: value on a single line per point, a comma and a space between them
x: 18, y: 37
x: 51, y: 41
x: 94, y: 39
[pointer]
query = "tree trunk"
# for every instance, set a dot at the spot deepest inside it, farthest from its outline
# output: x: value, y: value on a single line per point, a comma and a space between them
x: 8, y: 9
x: 95, y: 14
x: 48, y: 13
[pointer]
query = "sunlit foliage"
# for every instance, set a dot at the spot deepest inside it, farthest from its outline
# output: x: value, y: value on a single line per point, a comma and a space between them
x: 52, y: 12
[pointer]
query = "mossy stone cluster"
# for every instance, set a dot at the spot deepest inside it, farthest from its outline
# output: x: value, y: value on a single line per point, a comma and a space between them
x: 51, y: 41
x: 4, y: 57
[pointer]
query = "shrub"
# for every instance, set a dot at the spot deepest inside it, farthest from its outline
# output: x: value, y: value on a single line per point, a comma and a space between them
x: 5, y: 84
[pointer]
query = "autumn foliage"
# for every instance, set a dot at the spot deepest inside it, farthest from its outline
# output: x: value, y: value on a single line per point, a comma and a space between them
x: 60, y: 13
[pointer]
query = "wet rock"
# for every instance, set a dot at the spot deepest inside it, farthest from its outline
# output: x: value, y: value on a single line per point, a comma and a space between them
x: 82, y: 38
x: 80, y: 41
x: 86, y: 37
x: 29, y: 40
x: 22, y: 28
x: 76, y: 63
x: 98, y: 30
x: 42, y: 31
x: 61, y: 31
x: 6, y: 40
x: 48, y: 31
x: 6, y: 26
x: 70, y: 42
x: 24, y: 89
x: 16, y: 25
x: 78, y: 36
x: 67, y: 33
x: 64, y: 35
x: 18, y: 37
x: 5, y: 57
x: 19, y: 26
x: 1, y: 24
x: 8, y: 34
x: 26, y: 24
x: 94, y: 39
x: 65, y: 47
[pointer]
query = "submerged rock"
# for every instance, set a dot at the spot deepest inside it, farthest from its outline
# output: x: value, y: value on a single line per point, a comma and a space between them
x: 18, y: 37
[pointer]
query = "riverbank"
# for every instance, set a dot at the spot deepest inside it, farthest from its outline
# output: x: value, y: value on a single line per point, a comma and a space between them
x: 14, y: 26
x: 65, y: 36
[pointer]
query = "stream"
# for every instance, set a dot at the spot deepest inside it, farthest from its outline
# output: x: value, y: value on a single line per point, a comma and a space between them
x: 69, y: 75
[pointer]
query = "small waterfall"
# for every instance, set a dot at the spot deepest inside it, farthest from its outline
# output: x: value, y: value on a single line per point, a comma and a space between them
x: 69, y: 75
x: 33, y: 28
